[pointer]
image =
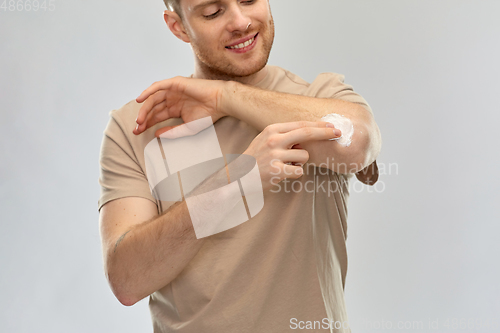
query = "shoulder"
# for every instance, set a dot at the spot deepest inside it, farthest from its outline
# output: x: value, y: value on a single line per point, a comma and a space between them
x: 328, y: 85
x: 120, y: 127
x: 124, y: 117
x: 324, y: 85
x: 282, y: 80
x: 291, y: 77
x: 122, y: 124
x: 332, y: 85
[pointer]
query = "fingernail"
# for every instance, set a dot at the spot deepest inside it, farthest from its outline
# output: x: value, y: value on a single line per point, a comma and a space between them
x: 337, y: 132
x: 330, y: 125
x: 137, y: 127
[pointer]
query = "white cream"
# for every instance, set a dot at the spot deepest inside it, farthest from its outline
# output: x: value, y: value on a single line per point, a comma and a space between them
x: 344, y: 125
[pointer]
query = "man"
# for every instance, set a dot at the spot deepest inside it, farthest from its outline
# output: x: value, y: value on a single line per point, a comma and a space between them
x: 283, y: 269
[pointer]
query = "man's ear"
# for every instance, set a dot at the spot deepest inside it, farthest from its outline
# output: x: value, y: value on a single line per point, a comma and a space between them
x: 175, y: 25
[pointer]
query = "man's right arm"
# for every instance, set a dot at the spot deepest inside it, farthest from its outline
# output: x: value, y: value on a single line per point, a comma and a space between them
x: 144, y: 251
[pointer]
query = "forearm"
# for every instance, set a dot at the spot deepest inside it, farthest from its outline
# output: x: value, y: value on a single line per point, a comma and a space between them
x: 260, y: 108
x: 153, y: 253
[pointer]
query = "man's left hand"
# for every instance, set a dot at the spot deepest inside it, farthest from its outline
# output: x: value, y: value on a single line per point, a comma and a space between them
x: 179, y: 97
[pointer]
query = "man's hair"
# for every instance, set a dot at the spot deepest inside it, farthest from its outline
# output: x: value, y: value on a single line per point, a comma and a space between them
x: 174, y: 5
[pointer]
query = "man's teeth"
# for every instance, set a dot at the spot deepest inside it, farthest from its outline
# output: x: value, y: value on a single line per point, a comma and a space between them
x: 242, y: 45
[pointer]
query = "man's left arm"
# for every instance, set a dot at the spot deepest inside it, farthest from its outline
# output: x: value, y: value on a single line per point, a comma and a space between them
x: 192, y: 99
x: 260, y: 108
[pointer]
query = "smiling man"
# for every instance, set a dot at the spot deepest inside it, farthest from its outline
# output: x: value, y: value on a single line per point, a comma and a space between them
x: 225, y: 49
x: 283, y: 269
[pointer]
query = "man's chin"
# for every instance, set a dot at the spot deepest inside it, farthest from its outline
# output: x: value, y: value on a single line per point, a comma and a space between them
x: 236, y: 72
x: 248, y: 70
x: 233, y: 68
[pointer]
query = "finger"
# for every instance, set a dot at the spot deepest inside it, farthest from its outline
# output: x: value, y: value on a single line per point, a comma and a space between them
x: 292, y: 171
x: 287, y: 127
x: 286, y: 171
x: 156, y: 115
x: 150, y: 103
x: 298, y: 156
x: 305, y: 134
x: 151, y: 120
x: 160, y: 107
x: 155, y: 87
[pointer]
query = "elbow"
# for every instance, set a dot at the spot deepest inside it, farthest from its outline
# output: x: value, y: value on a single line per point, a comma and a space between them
x: 364, y: 147
x: 123, y: 293
x: 356, y: 156
x: 125, y: 297
x: 126, y: 301
x: 374, y: 146
x: 121, y: 286
x: 367, y: 148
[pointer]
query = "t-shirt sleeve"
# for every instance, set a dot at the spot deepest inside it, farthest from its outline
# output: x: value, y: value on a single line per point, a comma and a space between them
x: 121, y: 174
x: 331, y: 85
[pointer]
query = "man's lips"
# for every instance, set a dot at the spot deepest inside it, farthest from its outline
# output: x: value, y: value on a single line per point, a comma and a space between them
x: 242, y: 42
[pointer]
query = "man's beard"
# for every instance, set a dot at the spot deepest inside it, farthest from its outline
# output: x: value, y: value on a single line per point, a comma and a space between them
x: 217, y: 68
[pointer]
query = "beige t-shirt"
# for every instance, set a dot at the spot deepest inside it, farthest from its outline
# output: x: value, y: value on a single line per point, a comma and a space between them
x: 283, y: 269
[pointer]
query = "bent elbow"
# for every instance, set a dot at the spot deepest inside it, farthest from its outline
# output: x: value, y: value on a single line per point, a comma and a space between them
x: 123, y: 294
x: 367, y: 148
x: 120, y: 288
x: 126, y: 300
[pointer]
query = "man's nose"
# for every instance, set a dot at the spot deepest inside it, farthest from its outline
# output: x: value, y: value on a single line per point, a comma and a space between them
x: 238, y: 21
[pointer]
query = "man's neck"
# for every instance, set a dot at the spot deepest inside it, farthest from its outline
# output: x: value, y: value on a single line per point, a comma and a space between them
x: 251, y: 80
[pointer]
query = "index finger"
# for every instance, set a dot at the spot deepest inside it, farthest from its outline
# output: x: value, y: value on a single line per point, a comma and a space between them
x: 287, y: 127
x: 310, y: 133
x: 158, y: 85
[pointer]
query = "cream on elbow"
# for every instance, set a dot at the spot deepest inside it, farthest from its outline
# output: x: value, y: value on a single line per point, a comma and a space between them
x: 344, y: 125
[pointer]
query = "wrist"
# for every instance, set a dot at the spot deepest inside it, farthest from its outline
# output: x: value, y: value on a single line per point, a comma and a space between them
x: 228, y: 100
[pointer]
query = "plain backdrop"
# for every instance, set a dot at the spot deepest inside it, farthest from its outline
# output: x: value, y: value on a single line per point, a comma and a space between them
x: 423, y: 244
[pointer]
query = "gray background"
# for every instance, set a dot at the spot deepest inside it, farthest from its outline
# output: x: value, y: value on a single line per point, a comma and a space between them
x: 422, y: 246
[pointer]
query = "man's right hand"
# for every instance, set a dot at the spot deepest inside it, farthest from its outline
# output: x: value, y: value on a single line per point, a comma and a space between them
x: 275, y: 153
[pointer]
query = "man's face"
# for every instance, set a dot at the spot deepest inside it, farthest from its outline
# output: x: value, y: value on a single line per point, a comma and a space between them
x: 217, y: 29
